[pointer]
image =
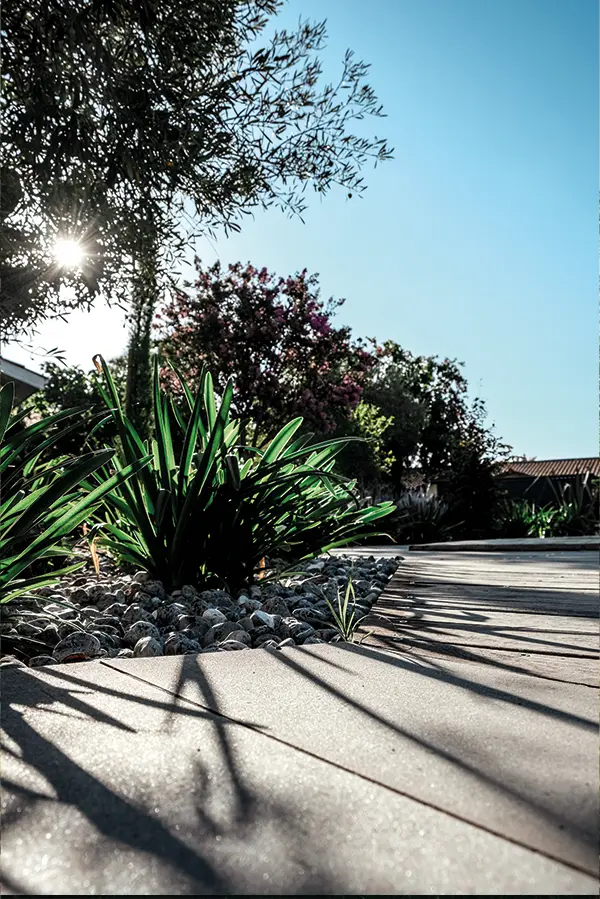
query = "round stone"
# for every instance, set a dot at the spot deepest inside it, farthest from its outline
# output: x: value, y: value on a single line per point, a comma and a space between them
x: 275, y: 605
x: 214, y: 616
x: 268, y: 644
x: 108, y: 628
x: 230, y: 644
x: 107, y: 641
x: 140, y: 629
x: 90, y: 612
x: 50, y: 635
x: 76, y: 644
x: 252, y: 605
x: 147, y: 602
x: 218, y: 598
x: 114, y: 610
x: 39, y: 661
x: 222, y: 630
x: 287, y: 642
x: 141, y: 577
x: 154, y: 588
x: 177, y: 644
x: 111, y: 622
x: 266, y: 638
x: 95, y: 591
x: 64, y: 630
x: 259, y: 617
x: 326, y: 634
x: 147, y: 646
x: 309, y: 615
x: 239, y: 636
x: 28, y: 630
x: 134, y: 613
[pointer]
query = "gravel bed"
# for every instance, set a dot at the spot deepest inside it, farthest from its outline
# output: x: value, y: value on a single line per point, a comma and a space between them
x: 119, y: 615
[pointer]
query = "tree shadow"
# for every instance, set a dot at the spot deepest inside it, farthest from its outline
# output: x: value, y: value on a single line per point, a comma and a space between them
x: 231, y: 807
x: 455, y: 603
x: 507, y: 582
x: 192, y: 679
x: 127, y: 821
x: 423, y: 649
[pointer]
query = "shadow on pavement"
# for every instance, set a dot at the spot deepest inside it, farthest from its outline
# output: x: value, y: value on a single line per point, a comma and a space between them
x: 129, y: 822
x: 455, y: 603
x: 192, y: 673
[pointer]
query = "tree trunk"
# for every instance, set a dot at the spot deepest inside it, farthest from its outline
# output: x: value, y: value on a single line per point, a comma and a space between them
x: 138, y: 397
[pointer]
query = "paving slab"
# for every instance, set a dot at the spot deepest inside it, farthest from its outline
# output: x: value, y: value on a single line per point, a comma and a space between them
x: 528, y: 544
x: 505, y: 751
x: 554, y: 592
x: 538, y: 605
x: 568, y: 669
x: 110, y: 787
x: 422, y: 621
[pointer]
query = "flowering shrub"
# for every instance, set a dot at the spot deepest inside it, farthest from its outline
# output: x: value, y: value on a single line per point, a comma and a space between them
x: 274, y: 336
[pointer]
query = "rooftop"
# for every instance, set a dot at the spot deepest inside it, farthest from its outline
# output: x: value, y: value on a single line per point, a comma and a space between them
x: 553, y: 467
x: 26, y: 381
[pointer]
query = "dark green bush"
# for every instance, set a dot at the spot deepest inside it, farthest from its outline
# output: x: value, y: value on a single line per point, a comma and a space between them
x: 422, y: 519
x: 68, y: 387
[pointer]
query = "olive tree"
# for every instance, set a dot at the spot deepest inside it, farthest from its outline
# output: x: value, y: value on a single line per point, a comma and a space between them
x: 129, y: 128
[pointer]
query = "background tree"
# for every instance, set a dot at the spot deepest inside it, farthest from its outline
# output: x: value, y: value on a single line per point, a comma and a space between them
x: 120, y: 117
x: 470, y: 487
x: 431, y: 410
x: 370, y: 461
x: 275, y: 336
x: 68, y: 387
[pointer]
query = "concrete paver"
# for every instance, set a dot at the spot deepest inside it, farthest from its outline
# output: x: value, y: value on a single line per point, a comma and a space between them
x: 529, y: 544
x: 458, y: 604
x: 569, y: 669
x: 525, y: 633
x: 501, y: 750
x: 546, y: 604
x: 118, y: 790
x: 430, y: 764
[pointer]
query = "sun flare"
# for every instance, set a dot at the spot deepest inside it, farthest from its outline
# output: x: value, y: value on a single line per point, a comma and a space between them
x: 68, y: 253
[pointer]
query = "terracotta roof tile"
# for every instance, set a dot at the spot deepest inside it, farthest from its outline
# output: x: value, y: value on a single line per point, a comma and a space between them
x: 553, y: 467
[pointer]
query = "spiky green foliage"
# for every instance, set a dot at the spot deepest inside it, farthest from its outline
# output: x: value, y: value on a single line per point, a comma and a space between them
x: 344, y: 613
x: 208, y: 509
x: 576, y: 504
x: 573, y: 513
x: 42, y: 504
x: 422, y: 519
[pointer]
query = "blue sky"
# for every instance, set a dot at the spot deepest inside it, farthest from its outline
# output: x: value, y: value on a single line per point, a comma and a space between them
x: 480, y: 239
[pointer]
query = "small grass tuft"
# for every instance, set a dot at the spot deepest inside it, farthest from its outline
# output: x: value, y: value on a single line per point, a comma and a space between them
x: 345, y: 615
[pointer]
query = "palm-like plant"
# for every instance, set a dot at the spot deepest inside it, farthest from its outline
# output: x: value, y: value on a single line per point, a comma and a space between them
x: 215, y: 508
x: 422, y: 519
x: 41, y: 505
x: 577, y: 507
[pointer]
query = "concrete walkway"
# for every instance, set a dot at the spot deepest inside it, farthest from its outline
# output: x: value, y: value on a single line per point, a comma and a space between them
x: 502, y: 545
x: 395, y: 768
